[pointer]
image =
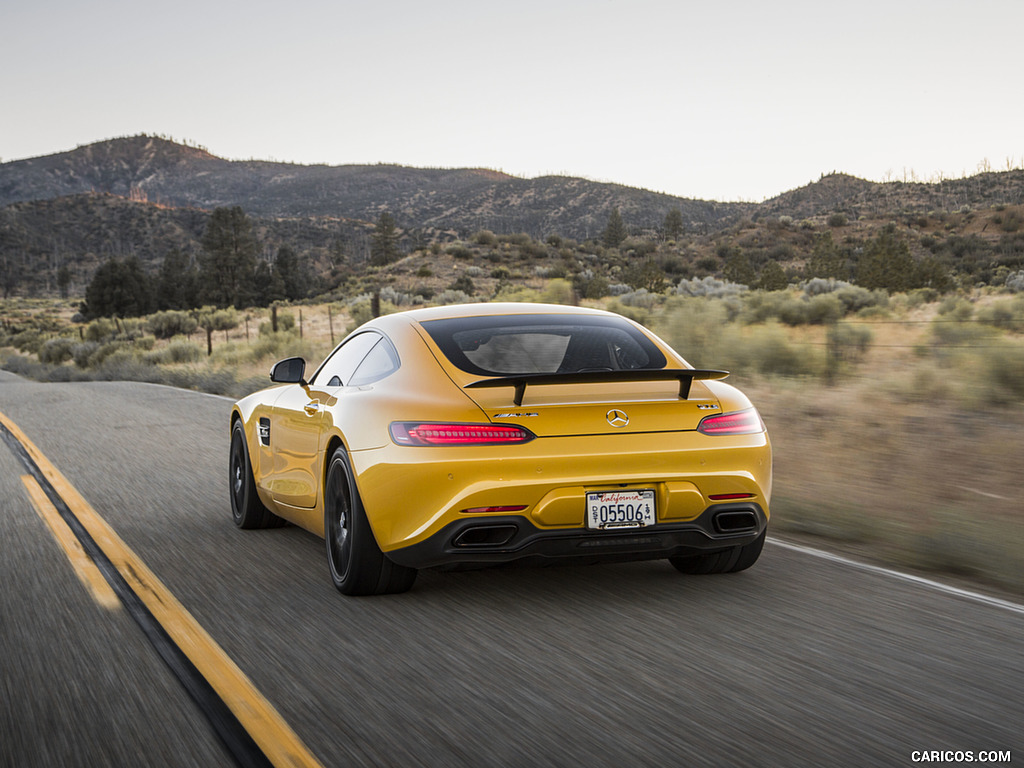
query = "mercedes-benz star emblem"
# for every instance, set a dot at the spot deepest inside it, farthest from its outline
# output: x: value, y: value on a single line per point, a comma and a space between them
x: 617, y: 418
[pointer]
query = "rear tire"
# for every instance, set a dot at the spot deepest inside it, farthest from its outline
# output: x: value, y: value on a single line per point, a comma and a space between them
x: 356, y: 563
x: 732, y: 560
x: 246, y: 508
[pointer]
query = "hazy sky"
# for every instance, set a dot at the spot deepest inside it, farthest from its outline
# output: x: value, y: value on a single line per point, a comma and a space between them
x: 727, y: 100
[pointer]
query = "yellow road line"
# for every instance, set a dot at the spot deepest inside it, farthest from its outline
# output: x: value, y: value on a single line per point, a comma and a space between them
x: 267, y: 728
x: 85, y: 568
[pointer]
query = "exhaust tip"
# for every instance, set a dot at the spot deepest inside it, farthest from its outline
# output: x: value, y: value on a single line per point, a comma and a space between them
x: 735, y: 521
x: 485, y: 536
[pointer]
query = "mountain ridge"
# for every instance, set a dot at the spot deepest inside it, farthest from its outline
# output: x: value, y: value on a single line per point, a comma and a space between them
x: 458, y: 200
x: 144, y: 195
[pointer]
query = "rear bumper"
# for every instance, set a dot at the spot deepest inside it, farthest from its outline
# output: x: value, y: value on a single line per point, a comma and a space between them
x: 496, y: 540
x: 414, y: 495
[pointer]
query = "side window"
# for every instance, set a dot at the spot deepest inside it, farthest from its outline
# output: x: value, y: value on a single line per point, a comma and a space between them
x: 379, y: 362
x: 338, y: 368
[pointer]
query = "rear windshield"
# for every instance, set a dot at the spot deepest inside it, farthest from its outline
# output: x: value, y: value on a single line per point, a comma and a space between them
x: 510, y: 345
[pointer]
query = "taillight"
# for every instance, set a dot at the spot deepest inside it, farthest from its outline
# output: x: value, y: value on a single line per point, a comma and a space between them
x: 746, y: 422
x: 416, y: 433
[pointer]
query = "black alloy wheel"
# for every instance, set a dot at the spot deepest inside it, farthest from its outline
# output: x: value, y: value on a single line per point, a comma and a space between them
x: 246, y: 508
x: 355, y: 561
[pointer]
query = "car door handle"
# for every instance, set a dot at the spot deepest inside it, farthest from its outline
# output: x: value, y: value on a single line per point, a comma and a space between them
x: 311, y: 408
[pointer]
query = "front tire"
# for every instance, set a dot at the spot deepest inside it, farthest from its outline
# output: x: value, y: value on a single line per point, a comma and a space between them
x: 732, y: 560
x: 355, y: 561
x: 246, y: 508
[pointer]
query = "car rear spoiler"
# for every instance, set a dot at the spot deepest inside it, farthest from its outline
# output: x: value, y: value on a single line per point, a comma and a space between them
x: 684, y: 376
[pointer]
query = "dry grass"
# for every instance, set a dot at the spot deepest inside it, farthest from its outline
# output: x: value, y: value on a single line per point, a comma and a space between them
x: 903, y: 459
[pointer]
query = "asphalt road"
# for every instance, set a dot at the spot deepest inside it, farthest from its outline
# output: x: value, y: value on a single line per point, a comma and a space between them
x: 799, y: 661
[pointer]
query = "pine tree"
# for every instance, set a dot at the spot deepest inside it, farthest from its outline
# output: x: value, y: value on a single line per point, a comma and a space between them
x: 292, y: 273
x: 176, y: 283
x: 826, y: 260
x: 886, y: 263
x: 772, y: 277
x: 673, y: 226
x: 227, y: 264
x: 10, y: 273
x: 269, y: 285
x: 384, y: 241
x: 63, y: 280
x: 615, y: 232
x: 118, y: 289
x: 739, y: 270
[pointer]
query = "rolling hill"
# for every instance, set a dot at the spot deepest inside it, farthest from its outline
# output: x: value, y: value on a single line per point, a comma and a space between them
x: 144, y: 195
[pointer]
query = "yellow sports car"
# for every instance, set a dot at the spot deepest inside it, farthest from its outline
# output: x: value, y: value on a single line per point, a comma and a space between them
x: 490, y: 433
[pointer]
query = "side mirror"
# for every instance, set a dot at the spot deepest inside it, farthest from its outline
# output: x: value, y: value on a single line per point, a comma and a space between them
x: 289, y: 371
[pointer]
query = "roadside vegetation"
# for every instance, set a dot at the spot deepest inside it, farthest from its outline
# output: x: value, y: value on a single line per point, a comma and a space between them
x: 896, y: 419
x: 886, y: 354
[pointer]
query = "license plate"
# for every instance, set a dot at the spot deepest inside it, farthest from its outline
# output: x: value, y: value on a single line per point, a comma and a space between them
x: 620, y: 509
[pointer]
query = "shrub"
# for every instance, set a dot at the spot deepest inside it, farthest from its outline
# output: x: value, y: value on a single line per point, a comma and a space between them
x: 641, y: 298
x: 819, y: 285
x: 953, y: 333
x: 822, y: 310
x: 517, y: 293
x: 463, y: 283
x: 694, y: 327
x: 178, y: 351
x: 100, y: 330
x: 1006, y: 314
x: 956, y: 309
x: 707, y: 263
x: 1004, y: 368
x: 636, y: 314
x: 81, y: 353
x: 710, y: 287
x: 117, y: 362
x: 855, y: 298
x: 772, y: 353
x: 847, y: 342
x: 56, y: 351
x: 558, y: 291
x: 590, y: 285
x: 104, y: 351
x: 451, y: 297
x: 459, y: 251
x: 166, y: 325
x: 27, y: 341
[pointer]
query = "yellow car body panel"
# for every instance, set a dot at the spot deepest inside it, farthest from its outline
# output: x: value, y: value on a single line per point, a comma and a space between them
x: 544, y: 477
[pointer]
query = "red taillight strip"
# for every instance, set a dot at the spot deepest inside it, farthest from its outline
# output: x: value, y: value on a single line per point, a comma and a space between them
x: 429, y: 434
x: 488, y: 510
x: 746, y: 422
x: 730, y: 496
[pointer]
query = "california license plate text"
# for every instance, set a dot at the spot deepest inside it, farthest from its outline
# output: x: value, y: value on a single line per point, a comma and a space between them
x: 620, y: 509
